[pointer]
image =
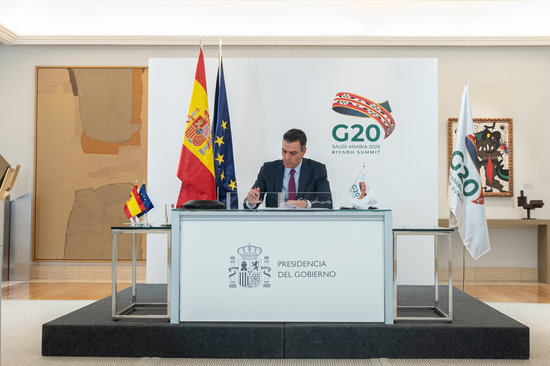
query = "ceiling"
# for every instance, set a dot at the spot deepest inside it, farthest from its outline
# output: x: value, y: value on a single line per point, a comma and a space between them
x: 275, y: 22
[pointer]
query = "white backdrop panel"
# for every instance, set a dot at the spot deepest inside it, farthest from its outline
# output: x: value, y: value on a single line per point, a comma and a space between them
x: 268, y: 96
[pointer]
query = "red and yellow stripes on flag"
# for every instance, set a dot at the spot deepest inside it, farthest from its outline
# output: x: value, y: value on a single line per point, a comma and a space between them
x: 134, y: 205
x: 196, y: 165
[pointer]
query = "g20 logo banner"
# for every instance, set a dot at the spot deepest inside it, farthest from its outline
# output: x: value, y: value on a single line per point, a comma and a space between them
x: 361, y: 138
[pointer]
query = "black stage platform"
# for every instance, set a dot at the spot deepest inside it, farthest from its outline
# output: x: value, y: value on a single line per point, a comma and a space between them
x: 477, y: 331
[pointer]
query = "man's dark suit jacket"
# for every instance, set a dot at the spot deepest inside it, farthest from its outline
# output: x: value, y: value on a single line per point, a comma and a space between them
x: 312, y: 186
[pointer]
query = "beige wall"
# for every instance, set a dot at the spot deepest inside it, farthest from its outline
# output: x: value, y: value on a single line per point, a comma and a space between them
x: 504, y: 82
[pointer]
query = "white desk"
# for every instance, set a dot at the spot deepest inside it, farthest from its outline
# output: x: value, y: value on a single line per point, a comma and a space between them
x: 282, y: 266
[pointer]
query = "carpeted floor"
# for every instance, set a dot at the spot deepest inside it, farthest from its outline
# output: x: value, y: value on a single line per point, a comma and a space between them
x: 22, y: 325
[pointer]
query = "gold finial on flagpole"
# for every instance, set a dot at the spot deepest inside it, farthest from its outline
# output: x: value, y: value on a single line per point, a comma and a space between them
x: 220, y: 62
x: 200, y: 42
x: 220, y: 52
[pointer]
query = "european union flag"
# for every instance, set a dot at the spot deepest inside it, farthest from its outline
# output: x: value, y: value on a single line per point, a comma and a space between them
x: 145, y: 199
x: 224, y: 165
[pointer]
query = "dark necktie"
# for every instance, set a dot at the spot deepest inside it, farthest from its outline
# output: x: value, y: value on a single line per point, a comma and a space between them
x: 292, y: 186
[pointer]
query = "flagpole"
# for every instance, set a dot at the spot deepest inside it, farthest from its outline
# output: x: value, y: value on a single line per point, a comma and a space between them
x: 220, y: 62
x: 463, y: 268
x: 217, y: 112
x: 136, y: 219
x: 220, y: 53
x: 146, y: 213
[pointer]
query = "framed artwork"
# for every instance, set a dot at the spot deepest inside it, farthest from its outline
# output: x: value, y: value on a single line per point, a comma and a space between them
x: 91, y: 148
x: 495, y: 153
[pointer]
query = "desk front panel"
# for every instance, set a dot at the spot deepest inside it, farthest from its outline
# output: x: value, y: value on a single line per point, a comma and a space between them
x: 280, y: 270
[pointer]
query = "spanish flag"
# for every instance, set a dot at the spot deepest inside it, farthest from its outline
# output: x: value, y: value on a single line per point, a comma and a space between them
x: 196, y: 165
x: 134, y: 205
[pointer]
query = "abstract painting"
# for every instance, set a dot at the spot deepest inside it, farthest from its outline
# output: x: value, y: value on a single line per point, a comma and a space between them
x: 494, y: 151
x: 91, y: 148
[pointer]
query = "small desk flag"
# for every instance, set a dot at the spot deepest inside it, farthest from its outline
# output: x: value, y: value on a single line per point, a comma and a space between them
x: 466, y: 199
x: 360, y: 194
x: 134, y: 206
x: 196, y: 165
x: 224, y: 164
x: 145, y: 199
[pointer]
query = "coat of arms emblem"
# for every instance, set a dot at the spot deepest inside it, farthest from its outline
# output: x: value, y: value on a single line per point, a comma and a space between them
x: 199, y: 129
x: 249, y: 271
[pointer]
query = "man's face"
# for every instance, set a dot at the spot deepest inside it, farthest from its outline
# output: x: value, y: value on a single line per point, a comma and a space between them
x: 292, y: 154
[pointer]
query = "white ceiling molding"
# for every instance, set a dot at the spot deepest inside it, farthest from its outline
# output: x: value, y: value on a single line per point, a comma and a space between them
x: 276, y: 22
x: 395, y: 41
x: 6, y: 35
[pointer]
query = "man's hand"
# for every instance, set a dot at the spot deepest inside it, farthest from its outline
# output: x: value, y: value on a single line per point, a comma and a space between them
x: 297, y: 203
x: 253, y: 196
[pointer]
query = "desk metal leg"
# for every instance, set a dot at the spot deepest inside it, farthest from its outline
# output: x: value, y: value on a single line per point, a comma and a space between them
x: 169, y: 274
x: 435, y: 307
x: 114, y: 275
x: 134, y: 268
x: 450, y: 274
x: 175, y: 269
x: 436, y: 271
x: 394, y: 276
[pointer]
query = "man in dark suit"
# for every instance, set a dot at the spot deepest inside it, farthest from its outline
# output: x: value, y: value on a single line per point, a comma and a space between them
x: 303, y: 182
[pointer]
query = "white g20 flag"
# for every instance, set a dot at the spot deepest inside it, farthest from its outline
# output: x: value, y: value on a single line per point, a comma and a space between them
x: 466, y: 199
x: 360, y: 194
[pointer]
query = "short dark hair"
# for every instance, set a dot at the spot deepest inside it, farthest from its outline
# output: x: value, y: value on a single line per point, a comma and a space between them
x: 296, y: 135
